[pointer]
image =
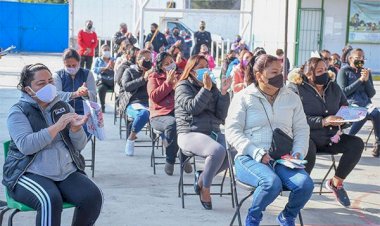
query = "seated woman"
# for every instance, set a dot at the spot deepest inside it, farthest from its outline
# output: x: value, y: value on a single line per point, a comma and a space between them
x: 44, y: 156
x: 180, y: 61
x: 161, y: 84
x: 74, y: 83
x: 103, y: 68
x: 134, y: 97
x: 253, y: 115
x: 238, y: 82
x: 200, y: 108
x: 321, y: 98
x: 357, y: 84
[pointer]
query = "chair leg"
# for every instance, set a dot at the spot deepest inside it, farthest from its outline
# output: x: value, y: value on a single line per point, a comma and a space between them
x: 181, y: 183
x: 237, y: 212
x: 93, y: 147
x: 10, y: 218
x: 120, y: 123
x: 2, y: 212
x: 222, y: 183
x: 366, y: 142
x: 300, y: 218
x: 333, y: 166
x: 232, y: 192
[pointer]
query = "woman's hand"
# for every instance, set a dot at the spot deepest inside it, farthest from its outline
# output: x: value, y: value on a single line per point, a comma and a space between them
x: 63, y: 121
x: 207, y: 83
x: 266, y: 158
x: 171, y: 77
x: 226, y: 84
x: 82, y: 91
x: 331, y: 121
x: 147, y: 73
x: 364, y: 75
x: 77, y: 121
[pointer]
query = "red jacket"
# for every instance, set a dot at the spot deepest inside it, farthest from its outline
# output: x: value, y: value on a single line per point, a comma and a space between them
x: 87, y: 40
x: 161, y: 95
x: 237, y: 79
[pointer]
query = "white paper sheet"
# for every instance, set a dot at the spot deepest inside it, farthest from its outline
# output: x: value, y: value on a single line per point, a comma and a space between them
x: 95, y: 124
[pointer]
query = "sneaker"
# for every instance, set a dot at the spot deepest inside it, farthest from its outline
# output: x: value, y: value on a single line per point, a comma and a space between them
x: 339, y: 192
x: 188, y: 168
x: 285, y: 221
x: 130, y: 147
x: 251, y: 221
x: 169, y: 168
x: 376, y: 151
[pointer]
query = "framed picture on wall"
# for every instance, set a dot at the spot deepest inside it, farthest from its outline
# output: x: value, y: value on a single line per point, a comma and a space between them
x: 364, y: 21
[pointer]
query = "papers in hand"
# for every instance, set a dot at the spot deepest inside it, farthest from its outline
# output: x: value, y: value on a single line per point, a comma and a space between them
x: 290, y: 162
x: 95, y: 125
x: 351, y: 114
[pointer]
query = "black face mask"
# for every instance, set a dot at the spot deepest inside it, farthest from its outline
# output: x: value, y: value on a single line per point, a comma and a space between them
x: 277, y: 81
x: 202, y: 28
x: 133, y: 60
x: 147, y: 64
x: 89, y: 26
x: 152, y: 31
x: 322, y: 79
x: 359, y: 64
x: 176, y: 33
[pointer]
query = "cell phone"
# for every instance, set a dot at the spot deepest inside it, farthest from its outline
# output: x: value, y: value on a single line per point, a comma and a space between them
x: 214, y: 135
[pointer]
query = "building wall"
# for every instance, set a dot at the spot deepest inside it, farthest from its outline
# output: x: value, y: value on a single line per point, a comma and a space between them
x: 335, y: 27
x: 108, y: 14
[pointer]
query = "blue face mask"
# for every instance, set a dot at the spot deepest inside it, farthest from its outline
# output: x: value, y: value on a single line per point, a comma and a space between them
x: 200, y: 72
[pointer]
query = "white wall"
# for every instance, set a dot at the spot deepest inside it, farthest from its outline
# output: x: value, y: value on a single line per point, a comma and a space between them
x: 335, y: 26
x: 108, y: 14
x: 269, y: 26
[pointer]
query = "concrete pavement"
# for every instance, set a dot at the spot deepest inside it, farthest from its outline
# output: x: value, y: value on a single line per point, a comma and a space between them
x: 133, y: 196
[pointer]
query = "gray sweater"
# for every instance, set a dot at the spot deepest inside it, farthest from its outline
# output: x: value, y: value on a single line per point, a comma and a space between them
x: 53, y: 159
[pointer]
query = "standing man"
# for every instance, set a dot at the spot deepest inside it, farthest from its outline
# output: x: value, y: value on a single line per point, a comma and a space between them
x: 188, y: 44
x: 87, y: 42
x: 158, y: 41
x: 175, y: 38
x: 201, y: 37
x: 123, y: 36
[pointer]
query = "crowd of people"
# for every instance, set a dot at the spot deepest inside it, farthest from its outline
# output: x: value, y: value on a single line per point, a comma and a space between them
x: 163, y: 86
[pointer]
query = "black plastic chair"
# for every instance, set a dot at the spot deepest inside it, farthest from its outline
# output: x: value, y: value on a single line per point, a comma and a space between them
x: 156, y: 144
x: 181, y: 184
x: 91, y: 162
x: 331, y: 167
x: 251, y: 189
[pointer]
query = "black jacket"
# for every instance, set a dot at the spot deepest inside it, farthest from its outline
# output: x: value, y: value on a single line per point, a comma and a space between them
x: 133, y: 82
x: 357, y: 92
x: 16, y: 163
x: 120, y: 71
x: 316, y: 108
x: 119, y: 37
x: 199, y: 110
x: 158, y: 42
x: 200, y: 38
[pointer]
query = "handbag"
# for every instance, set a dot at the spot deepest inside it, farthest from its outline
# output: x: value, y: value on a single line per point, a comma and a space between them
x: 282, y: 144
x: 107, y: 78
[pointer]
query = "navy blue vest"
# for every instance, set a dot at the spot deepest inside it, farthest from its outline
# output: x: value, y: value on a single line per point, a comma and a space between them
x: 72, y: 85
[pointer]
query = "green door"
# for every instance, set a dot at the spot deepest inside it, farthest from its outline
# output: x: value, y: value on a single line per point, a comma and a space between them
x: 309, y: 33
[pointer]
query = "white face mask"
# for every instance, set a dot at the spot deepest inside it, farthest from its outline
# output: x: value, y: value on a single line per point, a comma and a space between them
x: 107, y: 54
x: 72, y: 70
x: 47, y: 93
x: 170, y: 67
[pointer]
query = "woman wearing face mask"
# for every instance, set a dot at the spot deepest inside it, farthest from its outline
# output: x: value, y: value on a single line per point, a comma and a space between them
x: 200, y: 109
x: 237, y: 73
x: 103, y: 68
x: 321, y: 98
x: 357, y: 84
x: 180, y: 61
x: 204, y: 52
x: 134, y: 96
x: 129, y: 60
x: 161, y: 84
x: 44, y: 166
x: 253, y: 115
x: 74, y: 83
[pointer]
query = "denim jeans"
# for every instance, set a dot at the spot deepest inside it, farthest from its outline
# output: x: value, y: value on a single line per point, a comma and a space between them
x: 269, y: 183
x: 374, y: 116
x: 140, y: 118
x: 167, y: 125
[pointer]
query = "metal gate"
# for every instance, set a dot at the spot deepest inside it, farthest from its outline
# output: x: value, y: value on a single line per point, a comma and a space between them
x: 34, y: 27
x: 309, y: 33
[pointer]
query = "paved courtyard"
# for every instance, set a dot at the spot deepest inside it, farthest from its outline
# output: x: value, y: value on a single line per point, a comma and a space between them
x: 133, y: 196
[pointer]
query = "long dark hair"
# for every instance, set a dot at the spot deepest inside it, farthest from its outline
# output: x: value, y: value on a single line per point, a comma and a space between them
x: 308, y: 69
x: 257, y: 64
x: 160, y: 60
x: 27, y: 75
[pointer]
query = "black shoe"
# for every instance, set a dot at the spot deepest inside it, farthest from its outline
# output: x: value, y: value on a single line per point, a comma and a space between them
x: 197, y: 189
x: 376, y: 151
x: 103, y: 109
x: 339, y: 192
x: 206, y: 205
